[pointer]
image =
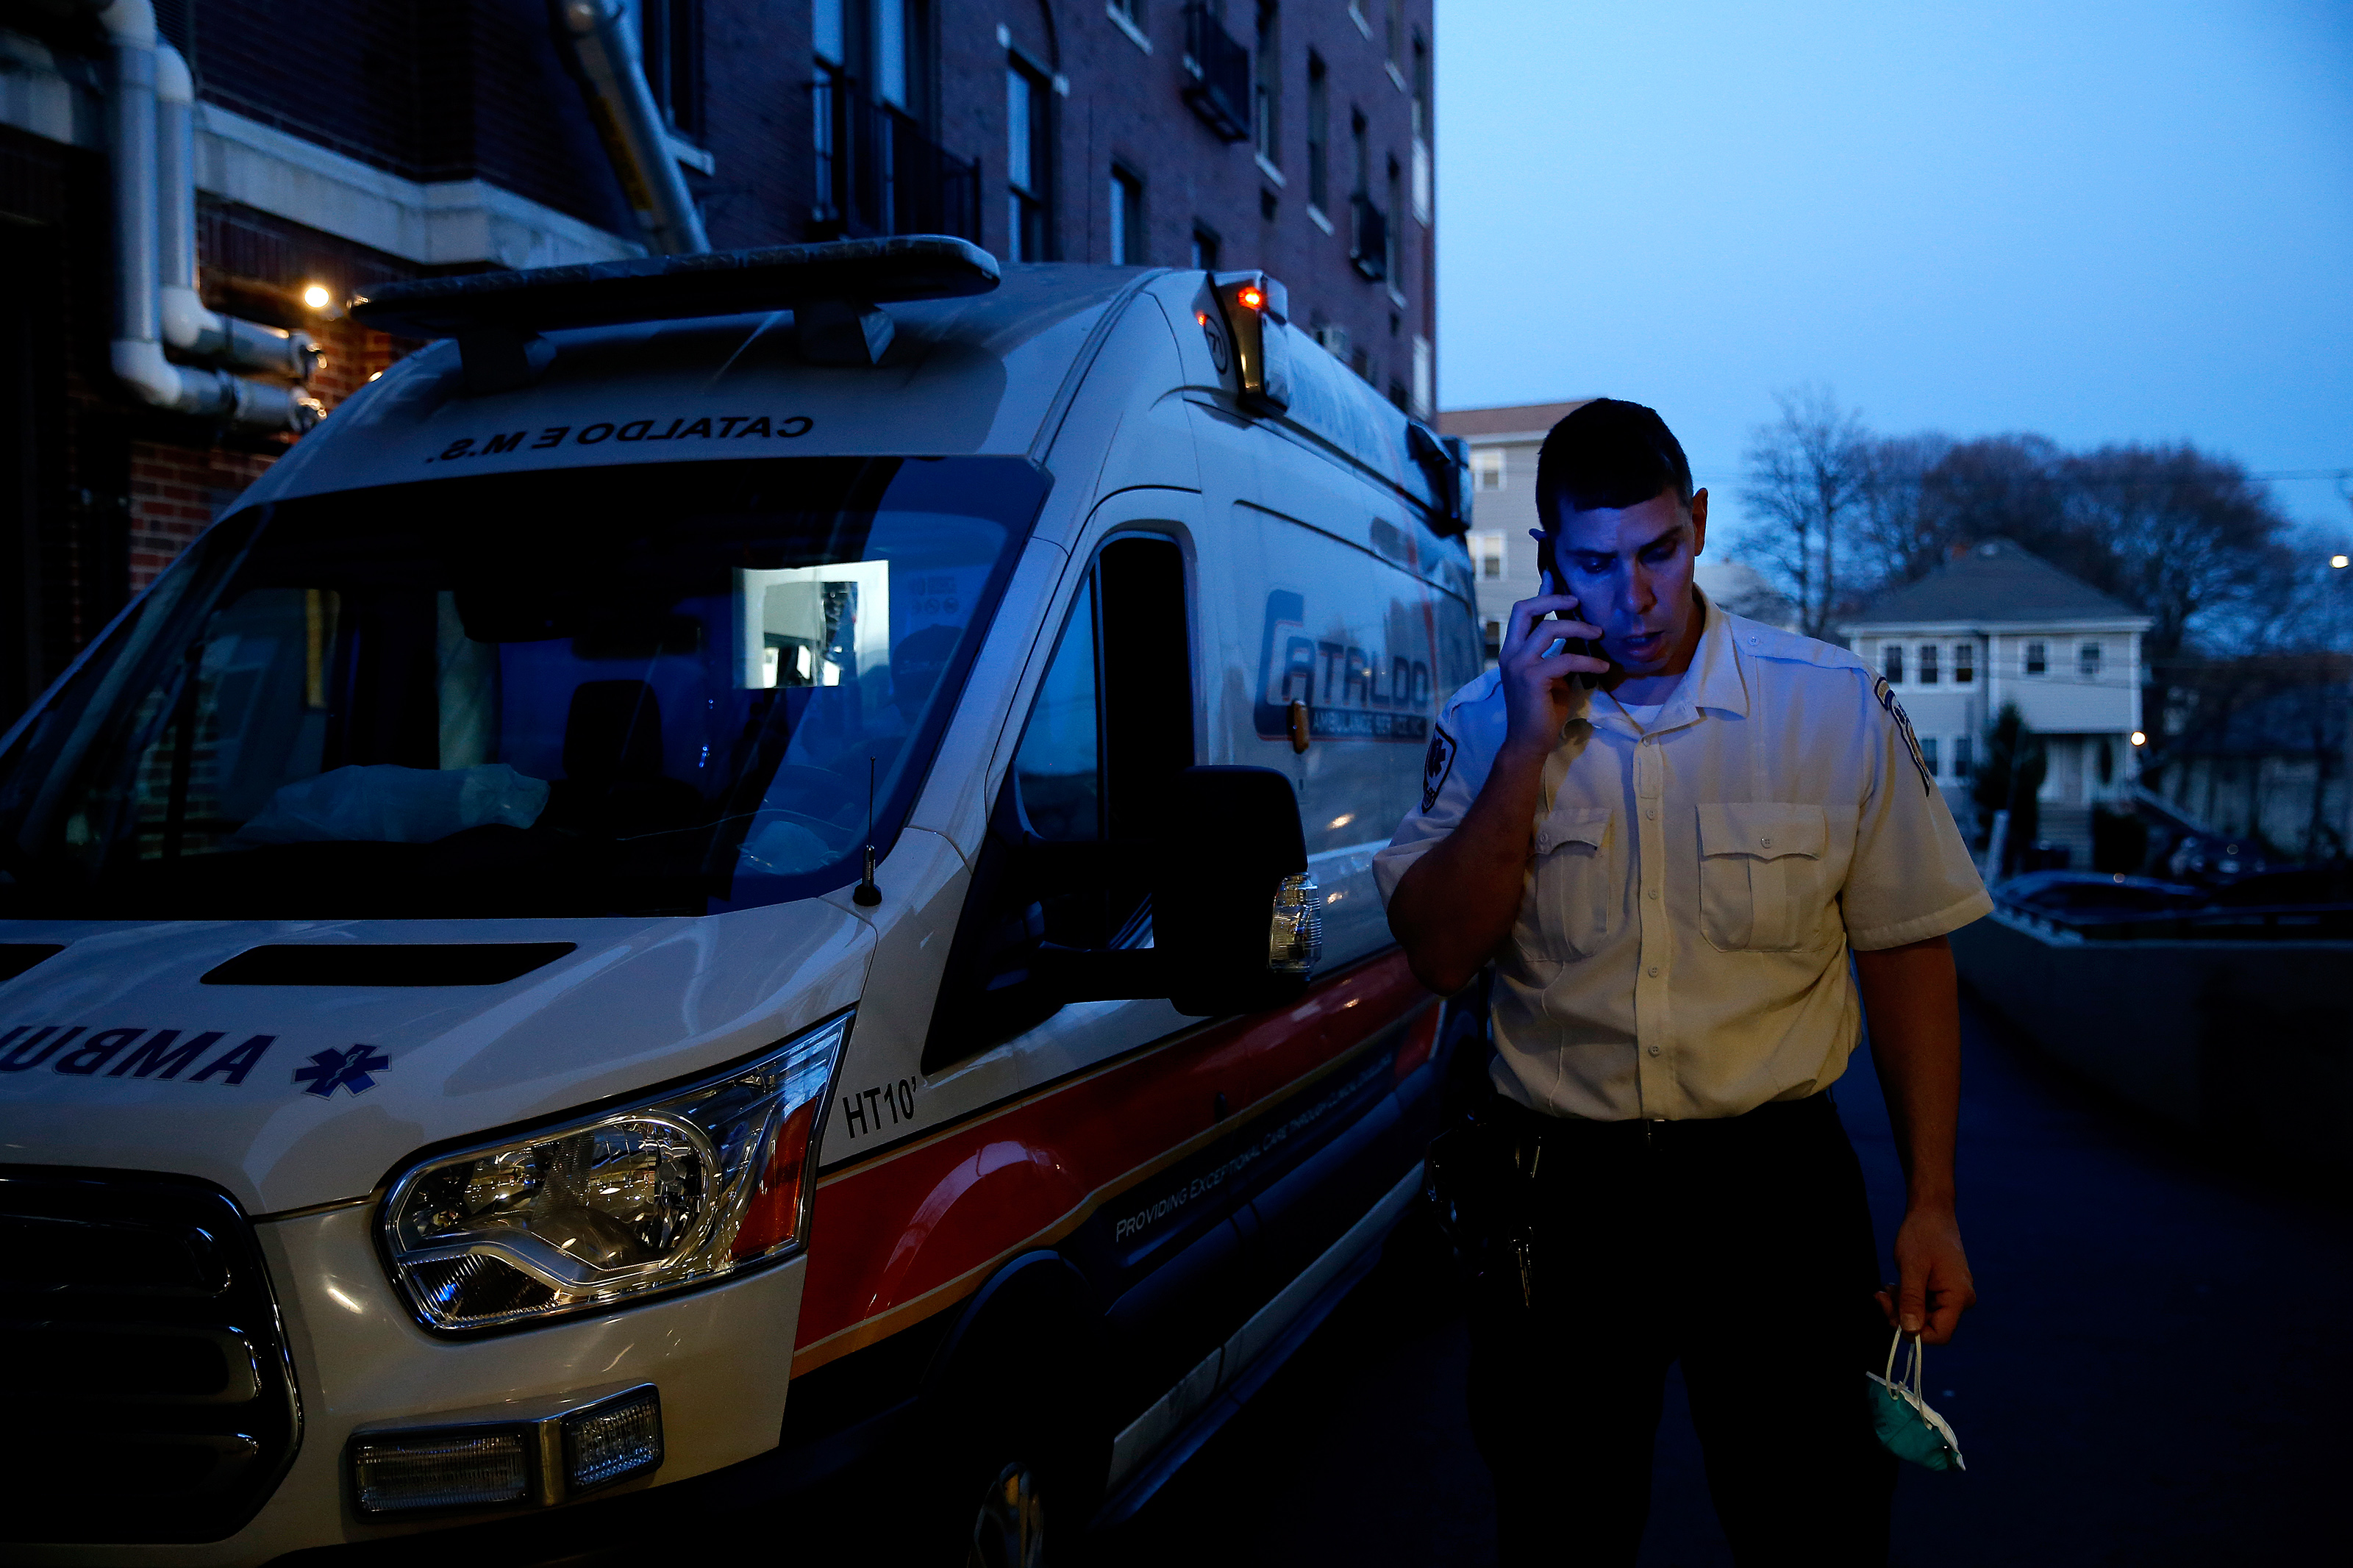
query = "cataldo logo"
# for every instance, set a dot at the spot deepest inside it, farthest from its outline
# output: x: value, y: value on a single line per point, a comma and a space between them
x: 1352, y: 692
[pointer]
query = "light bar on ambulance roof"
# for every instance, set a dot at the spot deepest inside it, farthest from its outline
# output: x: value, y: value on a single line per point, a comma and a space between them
x: 1253, y: 303
x: 836, y: 292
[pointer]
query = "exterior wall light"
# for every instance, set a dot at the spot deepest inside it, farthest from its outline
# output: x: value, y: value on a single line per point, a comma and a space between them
x: 2340, y: 561
x: 2140, y: 737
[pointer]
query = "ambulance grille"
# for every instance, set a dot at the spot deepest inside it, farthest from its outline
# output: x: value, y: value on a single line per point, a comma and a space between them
x: 149, y: 1377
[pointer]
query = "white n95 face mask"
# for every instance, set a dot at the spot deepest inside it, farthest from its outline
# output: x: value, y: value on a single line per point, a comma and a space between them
x: 1907, y: 1428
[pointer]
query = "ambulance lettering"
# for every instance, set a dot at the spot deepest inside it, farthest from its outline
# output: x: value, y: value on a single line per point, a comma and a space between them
x: 1352, y: 692
x: 679, y: 427
x: 866, y: 1112
x: 163, y: 1054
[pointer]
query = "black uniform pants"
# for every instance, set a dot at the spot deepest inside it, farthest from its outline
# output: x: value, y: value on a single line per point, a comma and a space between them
x: 1741, y: 1247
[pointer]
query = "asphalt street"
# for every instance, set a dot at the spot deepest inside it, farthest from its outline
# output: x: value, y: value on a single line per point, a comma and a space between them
x: 2153, y: 1375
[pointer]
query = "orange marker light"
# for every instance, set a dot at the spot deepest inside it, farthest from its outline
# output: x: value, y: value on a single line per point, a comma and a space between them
x: 1251, y: 298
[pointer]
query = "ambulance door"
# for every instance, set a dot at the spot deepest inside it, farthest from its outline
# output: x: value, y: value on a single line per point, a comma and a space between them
x: 1122, y: 1099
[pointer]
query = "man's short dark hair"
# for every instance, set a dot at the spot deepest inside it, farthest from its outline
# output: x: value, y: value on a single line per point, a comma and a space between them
x: 1610, y: 454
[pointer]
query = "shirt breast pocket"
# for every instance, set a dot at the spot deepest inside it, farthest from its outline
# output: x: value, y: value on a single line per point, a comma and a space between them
x: 1575, y: 888
x: 1762, y: 875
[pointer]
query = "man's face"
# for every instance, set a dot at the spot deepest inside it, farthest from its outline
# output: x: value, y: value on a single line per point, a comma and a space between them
x: 1631, y: 568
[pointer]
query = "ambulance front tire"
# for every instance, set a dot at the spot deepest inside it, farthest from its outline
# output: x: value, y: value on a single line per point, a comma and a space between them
x: 1014, y: 1471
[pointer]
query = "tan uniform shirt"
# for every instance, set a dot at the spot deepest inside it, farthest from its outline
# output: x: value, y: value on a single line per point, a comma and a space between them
x: 1682, y: 943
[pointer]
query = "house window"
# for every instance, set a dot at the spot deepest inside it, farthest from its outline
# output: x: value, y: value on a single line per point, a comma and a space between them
x: 1266, y: 104
x: 1126, y: 218
x: 669, y: 33
x: 1205, y: 246
x: 1028, y: 173
x: 1421, y: 130
x: 2087, y: 661
x: 1928, y: 755
x: 1487, y: 468
x: 1965, y: 670
x: 1891, y: 663
x: 2038, y: 661
x: 1494, y: 638
x: 1928, y: 671
x: 1487, y: 553
x: 1319, y: 133
x: 2107, y: 762
x: 1964, y: 755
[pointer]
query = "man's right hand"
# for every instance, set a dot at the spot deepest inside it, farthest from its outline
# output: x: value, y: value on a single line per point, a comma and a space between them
x: 1537, y: 696
x: 1455, y: 906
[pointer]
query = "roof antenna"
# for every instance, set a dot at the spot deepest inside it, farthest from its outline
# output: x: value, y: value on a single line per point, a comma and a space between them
x: 867, y: 895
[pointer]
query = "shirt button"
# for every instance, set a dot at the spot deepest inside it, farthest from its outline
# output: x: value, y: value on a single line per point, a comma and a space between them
x: 1765, y: 843
x: 1652, y: 812
x: 1654, y: 971
x: 1654, y: 1050
x: 1655, y: 892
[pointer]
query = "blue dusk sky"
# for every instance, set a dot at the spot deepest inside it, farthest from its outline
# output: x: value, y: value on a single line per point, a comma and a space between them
x: 2097, y: 221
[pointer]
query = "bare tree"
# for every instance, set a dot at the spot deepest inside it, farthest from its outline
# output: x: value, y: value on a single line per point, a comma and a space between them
x: 1900, y: 535
x: 1806, y: 472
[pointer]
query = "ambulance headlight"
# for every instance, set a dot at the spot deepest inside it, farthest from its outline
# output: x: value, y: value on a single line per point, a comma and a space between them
x: 673, y: 1192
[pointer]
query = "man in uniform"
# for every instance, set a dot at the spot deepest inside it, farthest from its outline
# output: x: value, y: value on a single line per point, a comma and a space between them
x: 1670, y: 871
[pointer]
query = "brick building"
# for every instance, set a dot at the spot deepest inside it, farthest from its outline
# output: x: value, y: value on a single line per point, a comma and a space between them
x: 334, y: 149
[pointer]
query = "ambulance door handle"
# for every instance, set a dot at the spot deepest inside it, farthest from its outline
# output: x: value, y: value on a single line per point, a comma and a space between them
x: 1300, y: 739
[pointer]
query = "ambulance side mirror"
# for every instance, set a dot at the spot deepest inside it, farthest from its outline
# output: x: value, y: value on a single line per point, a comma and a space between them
x: 1235, y: 916
x: 1237, y: 920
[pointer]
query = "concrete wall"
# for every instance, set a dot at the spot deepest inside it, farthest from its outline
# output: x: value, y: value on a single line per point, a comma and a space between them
x: 2249, y: 1041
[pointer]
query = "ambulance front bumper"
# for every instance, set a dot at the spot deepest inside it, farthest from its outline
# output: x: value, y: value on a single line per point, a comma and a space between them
x: 720, y: 1358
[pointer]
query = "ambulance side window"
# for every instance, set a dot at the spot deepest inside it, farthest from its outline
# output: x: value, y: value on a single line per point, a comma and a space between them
x: 1057, y: 775
x: 1065, y: 863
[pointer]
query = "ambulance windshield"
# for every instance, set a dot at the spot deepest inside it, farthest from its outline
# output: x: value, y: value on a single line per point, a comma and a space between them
x: 649, y: 690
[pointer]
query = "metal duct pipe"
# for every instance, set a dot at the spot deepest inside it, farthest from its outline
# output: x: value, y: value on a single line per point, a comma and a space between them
x: 188, y: 326
x: 138, y: 347
x: 605, y: 46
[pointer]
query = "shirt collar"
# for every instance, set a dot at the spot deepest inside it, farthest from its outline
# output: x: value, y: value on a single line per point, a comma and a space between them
x: 1714, y: 680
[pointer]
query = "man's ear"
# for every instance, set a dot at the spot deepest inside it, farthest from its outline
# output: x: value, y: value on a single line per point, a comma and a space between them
x: 1699, y: 522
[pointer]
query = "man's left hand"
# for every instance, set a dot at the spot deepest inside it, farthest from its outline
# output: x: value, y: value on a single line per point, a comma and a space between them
x: 1933, y: 1285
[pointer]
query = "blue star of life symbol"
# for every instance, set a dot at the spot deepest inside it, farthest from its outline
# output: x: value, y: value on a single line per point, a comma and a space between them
x: 330, y: 1071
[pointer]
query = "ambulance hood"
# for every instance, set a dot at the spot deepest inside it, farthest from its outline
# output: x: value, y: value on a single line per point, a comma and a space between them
x: 310, y: 1094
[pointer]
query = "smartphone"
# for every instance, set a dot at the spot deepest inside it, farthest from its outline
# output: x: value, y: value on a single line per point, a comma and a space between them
x: 1550, y: 571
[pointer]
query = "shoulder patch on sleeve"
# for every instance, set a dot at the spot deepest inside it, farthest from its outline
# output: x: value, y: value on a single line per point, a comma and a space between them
x: 1887, y: 695
x: 1436, y: 764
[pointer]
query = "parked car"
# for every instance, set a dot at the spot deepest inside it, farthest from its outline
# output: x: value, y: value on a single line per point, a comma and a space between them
x: 754, y: 865
x: 2078, y: 896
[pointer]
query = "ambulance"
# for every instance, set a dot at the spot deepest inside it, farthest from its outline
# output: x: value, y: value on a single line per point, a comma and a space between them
x: 748, y: 870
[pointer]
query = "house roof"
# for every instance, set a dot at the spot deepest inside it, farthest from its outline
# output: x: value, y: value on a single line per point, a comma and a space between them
x: 1996, y: 581
x: 1521, y: 419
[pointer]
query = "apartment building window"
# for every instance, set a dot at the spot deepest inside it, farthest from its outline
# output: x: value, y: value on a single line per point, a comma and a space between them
x: 1391, y: 251
x: 1128, y: 11
x: 1964, y: 755
x: 1487, y: 468
x: 1028, y: 176
x: 1928, y: 755
x: 1319, y: 135
x: 2087, y: 661
x: 1395, y: 39
x: 1928, y: 664
x: 1421, y: 129
x: 2038, y: 661
x: 1891, y: 663
x: 1964, y: 669
x: 1266, y: 84
x: 1126, y: 203
x: 1487, y: 553
x: 1360, y: 144
x: 1205, y: 246
x: 669, y: 37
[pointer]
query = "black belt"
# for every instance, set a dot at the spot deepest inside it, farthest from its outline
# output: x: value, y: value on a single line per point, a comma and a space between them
x: 1771, y: 1118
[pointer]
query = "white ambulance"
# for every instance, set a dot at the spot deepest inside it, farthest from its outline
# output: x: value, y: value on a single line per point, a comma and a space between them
x: 753, y: 867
